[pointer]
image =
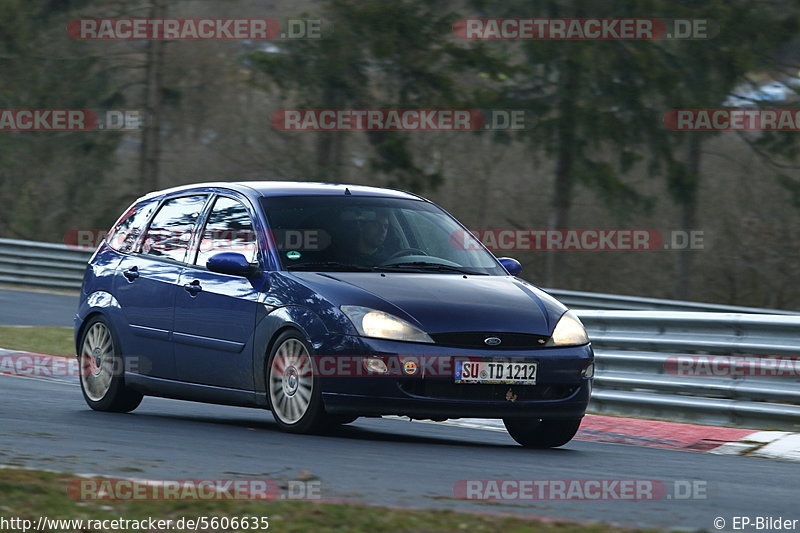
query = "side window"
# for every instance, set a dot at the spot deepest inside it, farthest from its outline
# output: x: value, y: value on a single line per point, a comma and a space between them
x: 228, y: 229
x: 124, y: 234
x: 170, y: 232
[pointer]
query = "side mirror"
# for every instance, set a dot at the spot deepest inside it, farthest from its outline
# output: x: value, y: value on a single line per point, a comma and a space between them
x: 512, y: 265
x: 232, y: 263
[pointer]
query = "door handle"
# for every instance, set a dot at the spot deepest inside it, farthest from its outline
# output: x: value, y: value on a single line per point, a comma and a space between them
x: 193, y: 288
x: 132, y: 273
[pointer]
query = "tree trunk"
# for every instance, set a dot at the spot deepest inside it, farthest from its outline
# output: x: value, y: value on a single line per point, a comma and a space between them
x: 330, y: 144
x: 150, y: 153
x: 684, y: 258
x: 555, y: 269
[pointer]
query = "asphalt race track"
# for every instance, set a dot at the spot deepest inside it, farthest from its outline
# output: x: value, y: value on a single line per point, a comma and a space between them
x: 29, y: 308
x: 45, y: 424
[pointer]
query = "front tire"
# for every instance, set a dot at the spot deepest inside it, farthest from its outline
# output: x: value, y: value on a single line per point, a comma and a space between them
x: 101, y: 368
x: 536, y: 433
x: 293, y: 388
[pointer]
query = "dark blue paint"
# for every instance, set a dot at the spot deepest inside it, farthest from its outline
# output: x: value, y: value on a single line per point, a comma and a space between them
x: 511, y: 265
x: 232, y: 263
x: 203, y: 333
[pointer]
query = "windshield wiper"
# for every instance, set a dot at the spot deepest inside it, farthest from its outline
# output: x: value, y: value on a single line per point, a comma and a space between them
x: 424, y: 266
x: 330, y: 265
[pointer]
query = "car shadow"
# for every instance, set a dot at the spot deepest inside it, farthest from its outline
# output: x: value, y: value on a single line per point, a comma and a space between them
x: 364, y: 429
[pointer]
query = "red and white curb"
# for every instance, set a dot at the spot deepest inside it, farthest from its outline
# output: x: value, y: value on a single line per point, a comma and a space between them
x: 595, y: 428
x: 769, y: 444
x: 669, y: 435
x: 39, y: 366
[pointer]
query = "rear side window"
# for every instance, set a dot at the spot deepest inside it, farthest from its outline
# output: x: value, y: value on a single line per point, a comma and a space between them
x: 170, y: 232
x: 229, y: 229
x: 126, y: 231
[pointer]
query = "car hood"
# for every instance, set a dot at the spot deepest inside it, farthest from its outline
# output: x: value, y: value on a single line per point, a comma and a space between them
x: 441, y: 303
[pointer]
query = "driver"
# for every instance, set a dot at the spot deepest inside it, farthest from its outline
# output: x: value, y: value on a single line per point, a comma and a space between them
x: 371, y: 236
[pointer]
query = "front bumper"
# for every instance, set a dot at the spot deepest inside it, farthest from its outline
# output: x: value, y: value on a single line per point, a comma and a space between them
x: 431, y: 392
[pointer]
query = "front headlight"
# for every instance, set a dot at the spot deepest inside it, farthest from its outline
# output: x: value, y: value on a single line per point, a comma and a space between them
x: 569, y: 331
x: 372, y: 323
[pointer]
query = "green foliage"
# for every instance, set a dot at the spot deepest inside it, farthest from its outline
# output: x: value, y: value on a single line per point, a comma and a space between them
x: 750, y: 36
x: 378, y: 55
x: 47, y: 178
x: 594, y: 98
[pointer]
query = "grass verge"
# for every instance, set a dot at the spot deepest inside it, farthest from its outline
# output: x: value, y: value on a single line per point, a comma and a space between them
x: 37, y: 339
x: 30, y: 494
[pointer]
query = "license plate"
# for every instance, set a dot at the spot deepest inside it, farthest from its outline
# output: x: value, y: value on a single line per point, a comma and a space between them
x: 496, y: 372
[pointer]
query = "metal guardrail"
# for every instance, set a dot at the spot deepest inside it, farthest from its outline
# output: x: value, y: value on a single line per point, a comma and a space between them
x: 42, y: 264
x: 598, y: 300
x: 638, y: 372
x: 633, y: 347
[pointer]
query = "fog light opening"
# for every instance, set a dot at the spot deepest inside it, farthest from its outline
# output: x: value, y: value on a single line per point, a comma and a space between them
x: 376, y: 365
x: 588, y: 372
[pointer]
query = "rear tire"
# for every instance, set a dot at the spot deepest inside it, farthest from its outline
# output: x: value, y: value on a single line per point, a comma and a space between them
x: 102, y: 371
x: 536, y: 433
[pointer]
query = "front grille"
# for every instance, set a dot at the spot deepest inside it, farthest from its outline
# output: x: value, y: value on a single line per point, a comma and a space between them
x: 475, y: 339
x: 484, y: 392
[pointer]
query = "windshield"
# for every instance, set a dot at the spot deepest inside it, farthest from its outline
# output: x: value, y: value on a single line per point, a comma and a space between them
x: 356, y: 233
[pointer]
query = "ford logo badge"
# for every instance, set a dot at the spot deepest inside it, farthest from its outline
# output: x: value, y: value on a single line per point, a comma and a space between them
x: 492, y: 341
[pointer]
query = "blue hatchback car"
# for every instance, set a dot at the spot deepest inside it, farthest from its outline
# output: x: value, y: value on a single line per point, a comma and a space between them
x: 324, y: 303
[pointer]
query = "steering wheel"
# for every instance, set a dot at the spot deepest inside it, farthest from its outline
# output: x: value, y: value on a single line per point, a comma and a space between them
x: 405, y: 251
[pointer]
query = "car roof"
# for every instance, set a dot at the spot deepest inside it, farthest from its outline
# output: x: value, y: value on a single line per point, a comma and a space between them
x: 291, y: 188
